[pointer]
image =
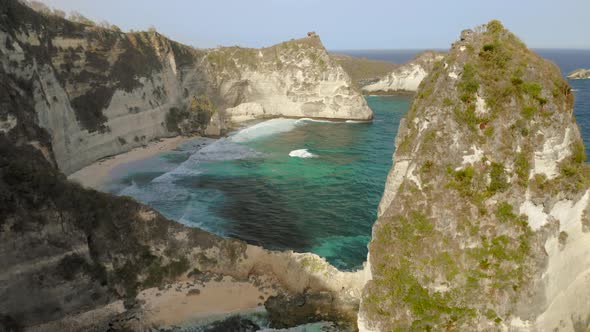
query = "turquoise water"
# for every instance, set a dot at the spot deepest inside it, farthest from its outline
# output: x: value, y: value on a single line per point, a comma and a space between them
x: 247, y: 186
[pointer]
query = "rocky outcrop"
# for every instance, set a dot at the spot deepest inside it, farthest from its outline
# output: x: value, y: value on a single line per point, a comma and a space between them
x: 100, y: 92
x: 74, y: 258
x: 364, y: 71
x: 579, y: 74
x: 407, y: 77
x: 483, y: 224
x: 292, y: 79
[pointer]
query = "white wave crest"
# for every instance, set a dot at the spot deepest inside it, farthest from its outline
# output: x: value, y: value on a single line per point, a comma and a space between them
x: 356, y: 121
x: 301, y: 153
x: 262, y: 129
x: 303, y: 120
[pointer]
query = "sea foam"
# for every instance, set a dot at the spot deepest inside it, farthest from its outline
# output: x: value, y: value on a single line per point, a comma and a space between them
x: 223, y: 149
x: 262, y: 129
x: 303, y: 120
x: 301, y: 153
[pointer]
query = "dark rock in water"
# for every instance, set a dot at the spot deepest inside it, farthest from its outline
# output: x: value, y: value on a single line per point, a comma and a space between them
x: 288, y: 311
x: 233, y: 324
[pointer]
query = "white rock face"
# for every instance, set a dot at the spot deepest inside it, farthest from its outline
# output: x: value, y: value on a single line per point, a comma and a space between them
x: 244, y: 112
x: 555, y: 149
x: 408, y: 76
x: 293, y: 79
x: 75, y: 147
x: 567, y: 277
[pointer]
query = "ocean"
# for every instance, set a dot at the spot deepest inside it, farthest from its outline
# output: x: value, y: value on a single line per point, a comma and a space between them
x: 302, y: 185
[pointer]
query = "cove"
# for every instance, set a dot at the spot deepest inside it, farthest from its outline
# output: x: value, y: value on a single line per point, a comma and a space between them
x: 284, y: 184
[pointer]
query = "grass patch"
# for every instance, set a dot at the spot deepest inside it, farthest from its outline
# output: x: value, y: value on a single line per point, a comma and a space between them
x: 469, y: 84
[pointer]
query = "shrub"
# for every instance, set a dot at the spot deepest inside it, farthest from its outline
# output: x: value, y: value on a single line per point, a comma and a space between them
x: 516, y: 81
x: 578, y: 152
x: 468, y: 85
x: 528, y: 112
x: 498, y: 181
x: 488, y: 48
x: 173, y: 118
x: 521, y: 165
x: 494, y: 27
x: 462, y: 180
x: 532, y: 88
x: 504, y: 212
x: 467, y: 116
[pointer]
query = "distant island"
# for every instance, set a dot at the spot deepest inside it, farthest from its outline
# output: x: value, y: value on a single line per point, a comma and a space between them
x: 579, y: 74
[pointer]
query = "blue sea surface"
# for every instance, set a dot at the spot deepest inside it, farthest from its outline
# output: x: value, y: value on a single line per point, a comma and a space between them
x: 249, y: 187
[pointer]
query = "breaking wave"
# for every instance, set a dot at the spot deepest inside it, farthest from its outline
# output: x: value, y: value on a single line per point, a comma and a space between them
x: 266, y: 128
x: 301, y: 153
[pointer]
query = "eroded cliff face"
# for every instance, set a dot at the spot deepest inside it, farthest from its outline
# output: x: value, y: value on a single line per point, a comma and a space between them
x: 99, y: 92
x: 364, y: 71
x: 483, y: 224
x: 406, y: 77
x: 295, y: 79
x: 75, y: 259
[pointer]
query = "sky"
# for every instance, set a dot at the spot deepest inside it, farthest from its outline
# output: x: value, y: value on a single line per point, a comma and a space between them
x: 343, y: 24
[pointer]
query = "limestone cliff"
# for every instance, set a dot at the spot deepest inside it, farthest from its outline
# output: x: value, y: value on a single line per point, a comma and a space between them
x: 483, y: 224
x: 296, y: 78
x: 406, y: 77
x: 364, y: 71
x: 99, y: 92
x: 75, y: 259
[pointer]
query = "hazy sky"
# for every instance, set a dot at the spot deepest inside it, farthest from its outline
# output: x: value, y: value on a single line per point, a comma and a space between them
x: 344, y: 24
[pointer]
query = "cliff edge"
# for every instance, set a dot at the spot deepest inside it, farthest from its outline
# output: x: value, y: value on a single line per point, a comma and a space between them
x: 99, y: 92
x: 483, y: 224
x: 74, y: 259
x: 407, y: 77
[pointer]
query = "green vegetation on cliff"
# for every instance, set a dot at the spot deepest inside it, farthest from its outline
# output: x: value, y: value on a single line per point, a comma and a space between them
x: 452, y: 251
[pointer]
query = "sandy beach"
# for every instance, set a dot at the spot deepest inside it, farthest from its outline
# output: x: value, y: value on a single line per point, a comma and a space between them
x: 92, y: 176
x: 188, y: 302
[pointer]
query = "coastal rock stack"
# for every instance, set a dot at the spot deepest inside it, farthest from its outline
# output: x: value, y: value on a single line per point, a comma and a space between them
x: 483, y: 224
x: 407, y: 77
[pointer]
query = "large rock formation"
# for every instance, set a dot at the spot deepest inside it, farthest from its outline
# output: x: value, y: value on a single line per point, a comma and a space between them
x: 99, y: 92
x: 407, y: 77
x: 74, y: 259
x: 579, y: 74
x: 364, y: 71
x: 483, y: 224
